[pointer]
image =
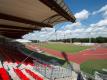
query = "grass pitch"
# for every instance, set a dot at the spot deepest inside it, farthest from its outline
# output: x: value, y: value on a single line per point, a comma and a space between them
x: 70, y: 48
x: 92, y: 66
x: 89, y: 66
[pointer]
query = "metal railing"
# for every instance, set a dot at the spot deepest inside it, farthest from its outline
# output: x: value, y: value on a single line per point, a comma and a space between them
x: 52, y: 72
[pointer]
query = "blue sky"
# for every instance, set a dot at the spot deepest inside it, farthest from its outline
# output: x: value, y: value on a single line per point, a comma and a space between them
x: 91, y: 5
x: 91, y: 20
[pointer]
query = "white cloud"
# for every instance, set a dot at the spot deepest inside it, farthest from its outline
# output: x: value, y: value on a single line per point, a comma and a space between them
x: 61, y: 34
x: 74, y: 30
x: 100, y: 26
x: 79, y: 32
x: 71, y: 26
x: 76, y: 24
x: 102, y: 9
x: 82, y: 15
x: 46, y: 29
x: 105, y: 14
x: 100, y: 23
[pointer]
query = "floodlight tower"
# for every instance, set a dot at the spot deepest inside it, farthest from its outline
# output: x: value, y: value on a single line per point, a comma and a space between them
x: 71, y: 37
x: 91, y: 32
x: 56, y: 35
x: 65, y: 36
x: 90, y: 37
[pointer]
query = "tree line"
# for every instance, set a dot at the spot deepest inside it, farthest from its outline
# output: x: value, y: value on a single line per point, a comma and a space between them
x: 85, y: 40
x: 82, y: 40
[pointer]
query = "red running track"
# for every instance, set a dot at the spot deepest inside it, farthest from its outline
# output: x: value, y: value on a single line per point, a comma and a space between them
x: 80, y: 57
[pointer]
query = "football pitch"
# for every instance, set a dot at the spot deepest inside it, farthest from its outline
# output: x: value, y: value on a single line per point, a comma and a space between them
x: 70, y: 48
x: 88, y: 66
x: 93, y: 65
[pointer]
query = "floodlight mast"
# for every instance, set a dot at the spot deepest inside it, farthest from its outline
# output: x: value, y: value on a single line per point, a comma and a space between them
x: 56, y: 36
x: 90, y: 38
x: 71, y: 38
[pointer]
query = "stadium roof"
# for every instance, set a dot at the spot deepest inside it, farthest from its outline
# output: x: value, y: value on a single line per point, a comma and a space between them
x: 18, y: 17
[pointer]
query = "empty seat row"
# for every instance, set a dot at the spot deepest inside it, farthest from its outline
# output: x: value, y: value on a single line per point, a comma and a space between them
x: 9, y: 70
x: 3, y: 74
x: 8, y: 54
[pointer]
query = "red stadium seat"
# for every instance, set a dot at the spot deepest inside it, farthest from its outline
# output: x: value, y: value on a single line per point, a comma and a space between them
x: 34, y: 75
x: 21, y: 75
x: 3, y: 74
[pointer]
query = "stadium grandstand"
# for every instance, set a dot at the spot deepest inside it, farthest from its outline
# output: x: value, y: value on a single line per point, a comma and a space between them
x: 18, y: 17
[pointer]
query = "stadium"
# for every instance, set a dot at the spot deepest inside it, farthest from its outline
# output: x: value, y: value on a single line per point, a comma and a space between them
x: 37, y: 42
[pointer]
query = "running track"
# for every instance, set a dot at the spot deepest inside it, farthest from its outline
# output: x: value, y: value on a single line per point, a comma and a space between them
x: 80, y: 57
